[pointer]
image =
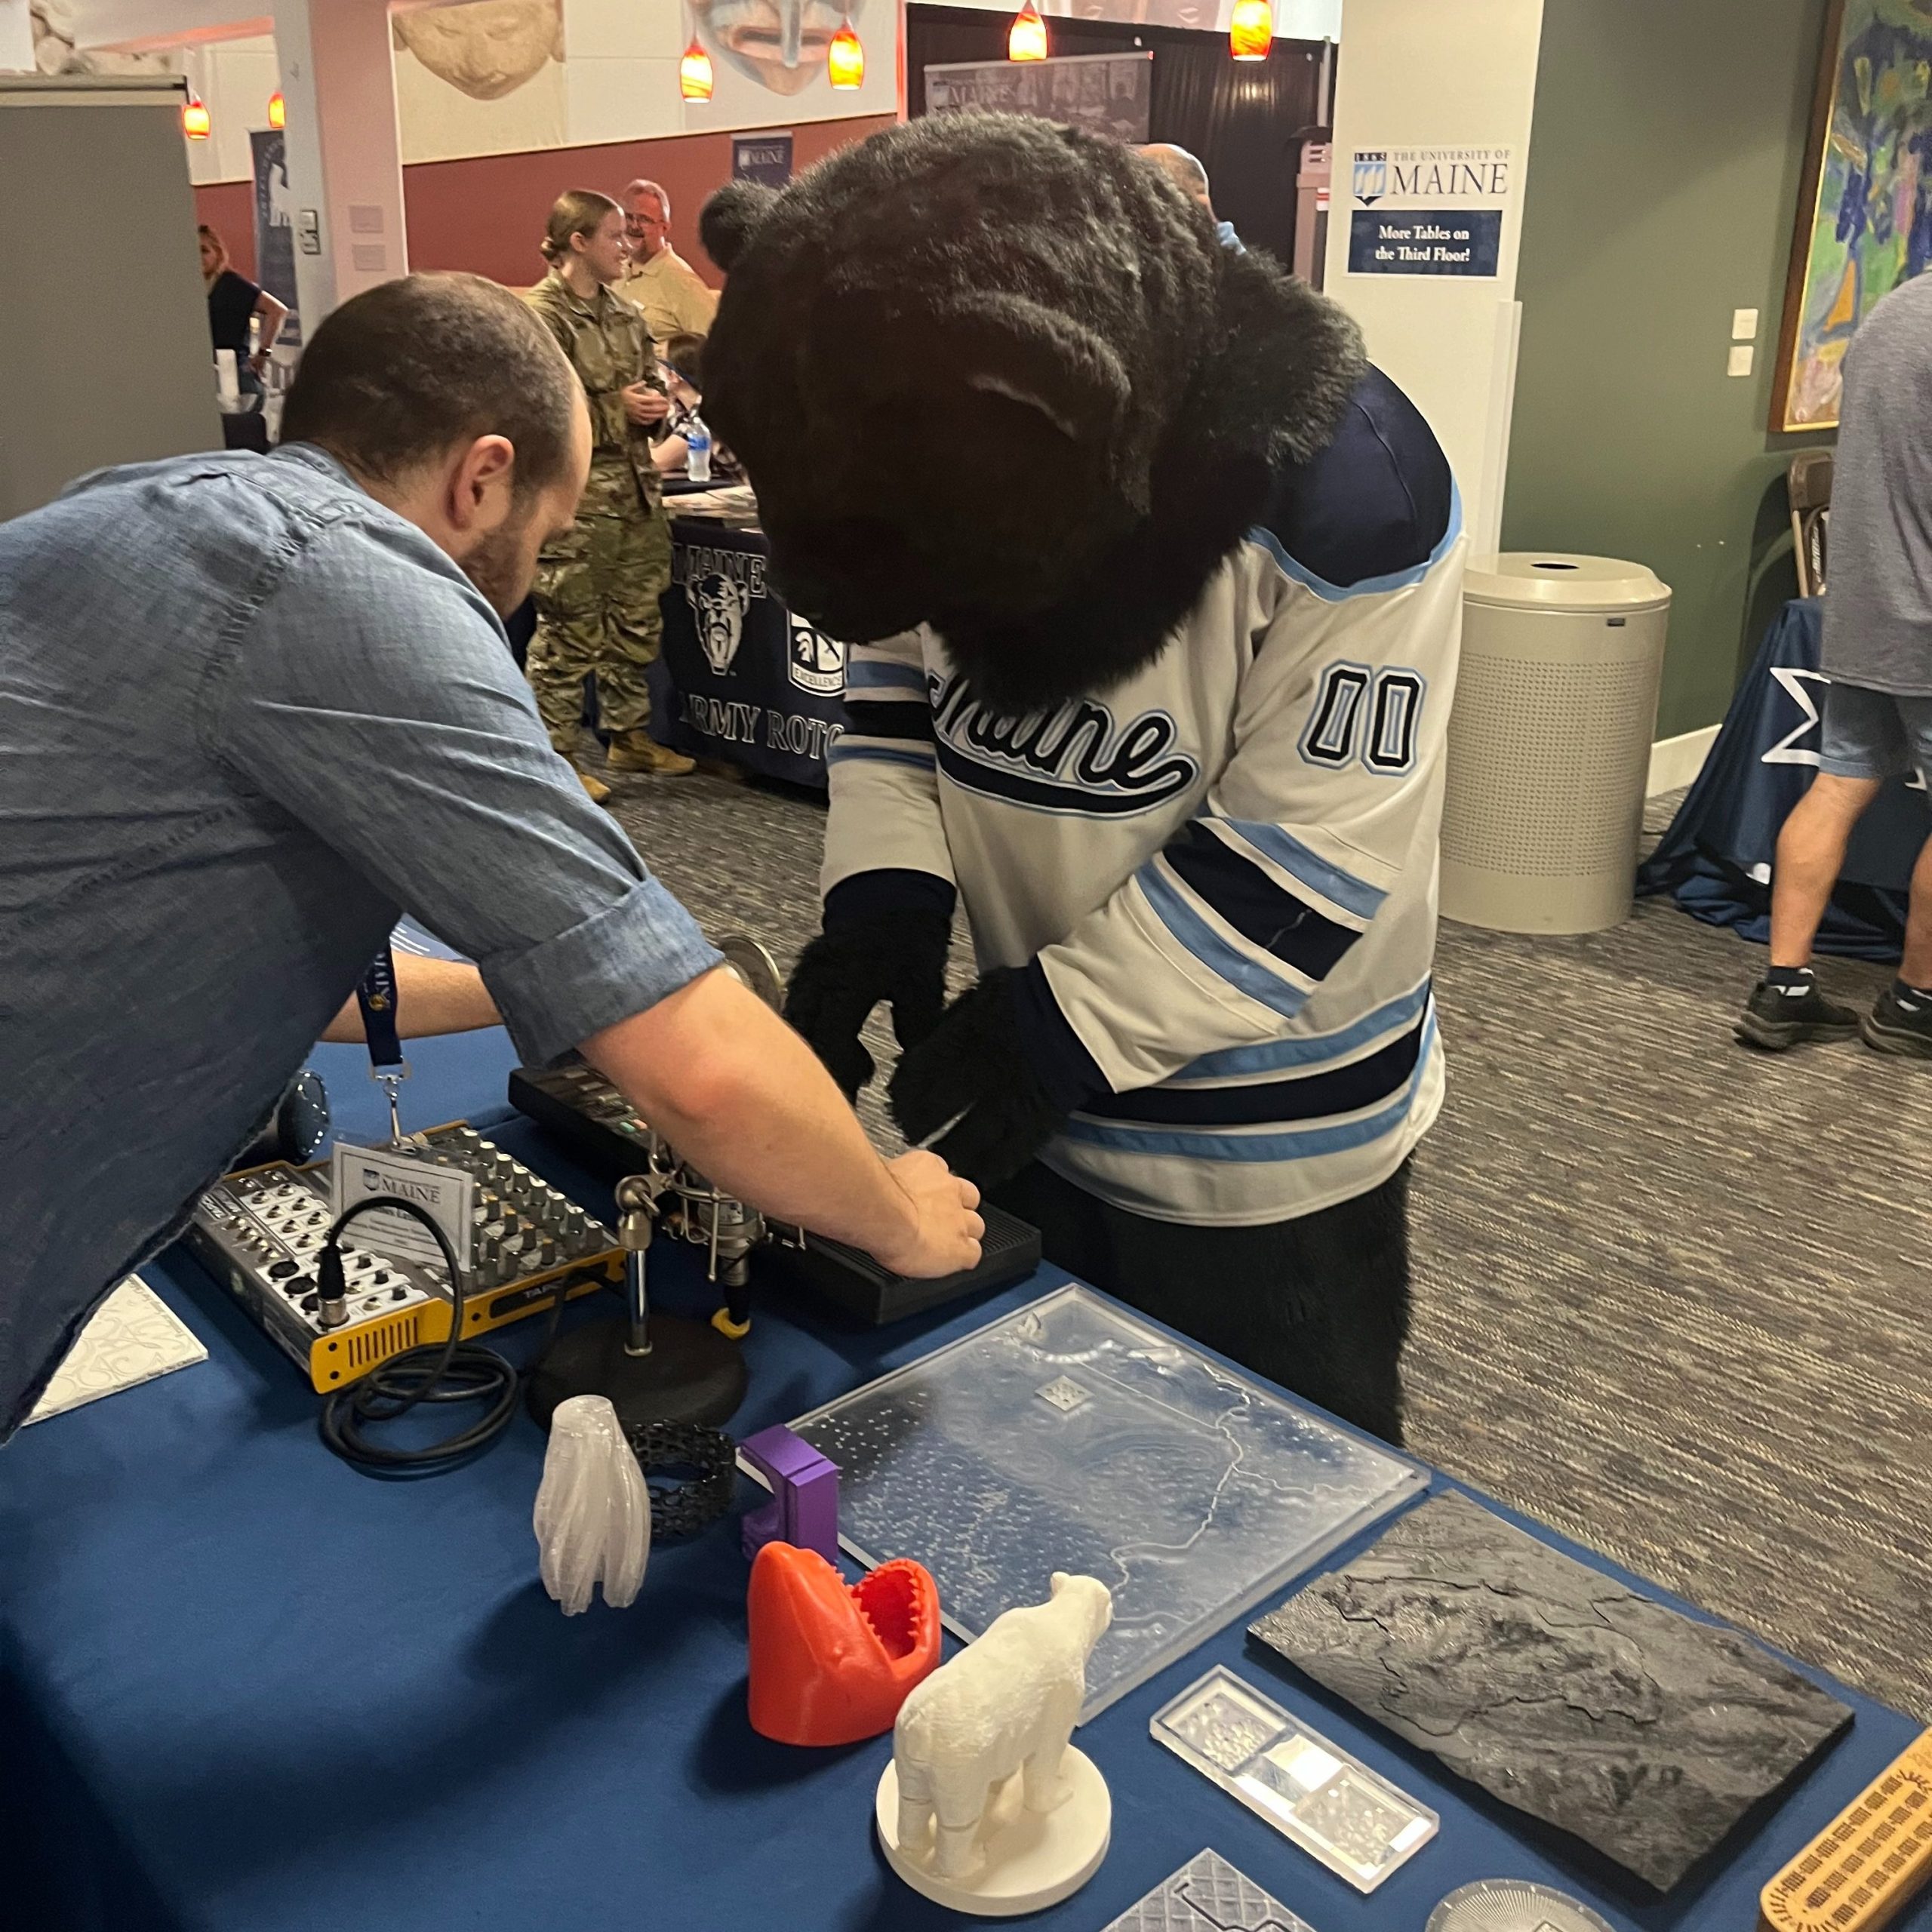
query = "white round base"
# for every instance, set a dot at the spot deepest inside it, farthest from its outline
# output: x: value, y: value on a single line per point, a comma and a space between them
x: 1032, y: 1858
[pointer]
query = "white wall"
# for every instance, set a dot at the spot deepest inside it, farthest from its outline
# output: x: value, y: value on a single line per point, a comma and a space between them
x: 1426, y: 73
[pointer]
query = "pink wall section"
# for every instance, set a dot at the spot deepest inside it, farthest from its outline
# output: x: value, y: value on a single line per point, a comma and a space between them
x: 486, y: 214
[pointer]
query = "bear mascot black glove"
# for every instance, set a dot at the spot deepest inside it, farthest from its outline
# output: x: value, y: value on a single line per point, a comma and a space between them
x: 993, y: 1067
x: 896, y: 956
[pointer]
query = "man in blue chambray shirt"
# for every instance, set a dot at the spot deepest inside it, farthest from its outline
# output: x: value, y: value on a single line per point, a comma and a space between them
x: 253, y: 707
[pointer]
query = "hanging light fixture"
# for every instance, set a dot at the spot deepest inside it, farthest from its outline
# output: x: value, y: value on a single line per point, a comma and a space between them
x: 196, y: 122
x: 277, y: 110
x: 844, y: 58
x: 694, y: 72
x: 1026, y: 38
x: 1251, y: 30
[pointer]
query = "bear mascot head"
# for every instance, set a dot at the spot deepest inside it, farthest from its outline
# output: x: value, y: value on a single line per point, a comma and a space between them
x: 1000, y: 376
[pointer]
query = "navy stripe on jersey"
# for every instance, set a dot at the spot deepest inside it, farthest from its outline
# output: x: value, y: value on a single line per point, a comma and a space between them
x: 898, y: 718
x: 1378, y: 502
x: 1259, y: 909
x: 888, y: 889
x: 1345, y: 1089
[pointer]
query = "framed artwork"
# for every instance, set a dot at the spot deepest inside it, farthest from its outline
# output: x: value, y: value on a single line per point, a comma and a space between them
x: 1865, y: 214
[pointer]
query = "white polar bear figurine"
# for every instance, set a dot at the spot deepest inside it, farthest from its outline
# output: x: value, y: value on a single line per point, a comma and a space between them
x: 1008, y: 1702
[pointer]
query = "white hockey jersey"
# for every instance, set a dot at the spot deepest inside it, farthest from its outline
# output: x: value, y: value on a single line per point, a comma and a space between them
x: 1221, y: 874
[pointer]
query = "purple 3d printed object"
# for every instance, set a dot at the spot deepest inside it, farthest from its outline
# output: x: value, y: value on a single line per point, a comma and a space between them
x: 804, y: 1508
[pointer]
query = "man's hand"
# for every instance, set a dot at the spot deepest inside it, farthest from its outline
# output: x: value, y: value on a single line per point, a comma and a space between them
x: 946, y: 1239
x: 741, y: 1097
x: 645, y: 406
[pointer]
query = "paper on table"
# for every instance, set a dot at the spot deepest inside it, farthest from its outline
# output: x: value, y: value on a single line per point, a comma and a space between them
x: 134, y: 1337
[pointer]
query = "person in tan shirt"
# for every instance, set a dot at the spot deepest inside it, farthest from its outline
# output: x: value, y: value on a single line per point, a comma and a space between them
x: 675, y: 300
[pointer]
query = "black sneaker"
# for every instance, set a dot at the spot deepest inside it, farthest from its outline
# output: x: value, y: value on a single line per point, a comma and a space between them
x: 1774, y: 1020
x: 1895, y: 1025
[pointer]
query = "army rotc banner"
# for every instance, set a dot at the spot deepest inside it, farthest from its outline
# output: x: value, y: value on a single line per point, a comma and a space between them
x: 752, y: 681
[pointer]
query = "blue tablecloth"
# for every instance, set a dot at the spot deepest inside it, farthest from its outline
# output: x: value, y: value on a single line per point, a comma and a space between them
x: 245, y: 1689
x: 1715, y: 860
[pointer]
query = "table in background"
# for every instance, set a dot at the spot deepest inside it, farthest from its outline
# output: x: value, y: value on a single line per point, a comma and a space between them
x: 747, y: 679
x: 1715, y: 860
x: 245, y: 1689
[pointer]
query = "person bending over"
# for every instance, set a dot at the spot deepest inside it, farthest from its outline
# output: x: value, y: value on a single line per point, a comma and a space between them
x: 314, y: 721
x: 1152, y: 589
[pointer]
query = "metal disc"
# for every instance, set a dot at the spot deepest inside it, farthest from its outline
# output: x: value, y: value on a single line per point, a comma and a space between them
x: 754, y: 967
x: 1513, y: 1905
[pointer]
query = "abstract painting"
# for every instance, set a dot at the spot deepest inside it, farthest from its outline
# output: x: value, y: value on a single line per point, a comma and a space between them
x: 1865, y: 216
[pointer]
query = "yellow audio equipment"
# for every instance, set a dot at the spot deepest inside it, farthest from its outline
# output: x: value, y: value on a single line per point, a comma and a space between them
x: 1861, y: 1872
x: 258, y: 1233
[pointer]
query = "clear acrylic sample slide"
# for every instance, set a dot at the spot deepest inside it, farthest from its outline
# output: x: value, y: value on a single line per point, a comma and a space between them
x: 1208, y: 1894
x: 1355, y: 1821
x: 1072, y: 1436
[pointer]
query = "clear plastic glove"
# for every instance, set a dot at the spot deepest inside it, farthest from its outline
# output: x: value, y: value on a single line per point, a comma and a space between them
x: 593, y: 1511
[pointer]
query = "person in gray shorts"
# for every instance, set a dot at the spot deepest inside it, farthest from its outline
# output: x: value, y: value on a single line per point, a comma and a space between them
x: 1877, y: 719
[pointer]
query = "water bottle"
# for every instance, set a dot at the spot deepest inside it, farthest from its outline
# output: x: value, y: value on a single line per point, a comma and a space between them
x: 697, y: 451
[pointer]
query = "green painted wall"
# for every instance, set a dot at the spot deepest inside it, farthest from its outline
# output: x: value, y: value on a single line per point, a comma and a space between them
x: 1665, y: 170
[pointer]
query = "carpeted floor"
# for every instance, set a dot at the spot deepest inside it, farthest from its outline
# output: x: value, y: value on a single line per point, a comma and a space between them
x: 1673, y: 1297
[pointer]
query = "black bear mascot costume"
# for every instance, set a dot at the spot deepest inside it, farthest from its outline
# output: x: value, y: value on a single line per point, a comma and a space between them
x: 1151, y: 587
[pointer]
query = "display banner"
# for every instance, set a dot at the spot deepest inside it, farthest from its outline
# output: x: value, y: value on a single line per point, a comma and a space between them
x: 752, y: 681
x: 275, y: 231
x: 1428, y: 210
x: 1105, y: 93
x: 765, y: 157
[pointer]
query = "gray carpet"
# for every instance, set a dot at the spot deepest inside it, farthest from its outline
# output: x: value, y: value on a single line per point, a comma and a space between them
x: 1672, y: 1297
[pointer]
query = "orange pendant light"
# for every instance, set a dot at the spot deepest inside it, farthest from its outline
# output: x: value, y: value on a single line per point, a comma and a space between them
x: 196, y: 122
x: 1026, y: 38
x: 845, y: 59
x: 1251, y: 30
x: 277, y: 110
x: 694, y: 72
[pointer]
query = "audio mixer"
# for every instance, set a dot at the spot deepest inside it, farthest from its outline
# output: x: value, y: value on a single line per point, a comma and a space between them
x: 260, y: 1233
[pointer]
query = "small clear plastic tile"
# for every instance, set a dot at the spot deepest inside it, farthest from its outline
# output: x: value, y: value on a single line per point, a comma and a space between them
x: 1332, y: 1805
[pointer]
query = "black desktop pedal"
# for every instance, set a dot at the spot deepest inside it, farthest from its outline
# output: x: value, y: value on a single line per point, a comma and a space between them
x: 577, y: 1104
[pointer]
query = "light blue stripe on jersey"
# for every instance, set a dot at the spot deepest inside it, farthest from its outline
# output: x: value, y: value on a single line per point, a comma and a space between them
x: 1299, y: 1144
x: 1372, y: 586
x: 880, y: 751
x: 1212, y: 950
x: 872, y: 675
x: 1352, y: 894
x: 1279, y: 1056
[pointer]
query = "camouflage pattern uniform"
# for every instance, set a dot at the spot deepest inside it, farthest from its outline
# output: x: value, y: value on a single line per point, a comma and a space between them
x: 597, y: 586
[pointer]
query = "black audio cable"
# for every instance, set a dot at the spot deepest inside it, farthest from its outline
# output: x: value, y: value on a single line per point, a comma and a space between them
x: 451, y: 1370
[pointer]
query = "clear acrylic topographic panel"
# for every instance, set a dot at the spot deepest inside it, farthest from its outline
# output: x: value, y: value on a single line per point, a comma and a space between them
x: 1071, y: 1436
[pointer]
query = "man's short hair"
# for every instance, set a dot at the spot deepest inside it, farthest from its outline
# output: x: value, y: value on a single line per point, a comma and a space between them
x: 1179, y: 167
x: 403, y: 373
x: 641, y: 187
x: 685, y: 355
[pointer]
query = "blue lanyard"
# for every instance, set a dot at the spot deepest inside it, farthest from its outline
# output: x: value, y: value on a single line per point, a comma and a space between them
x: 379, y: 1000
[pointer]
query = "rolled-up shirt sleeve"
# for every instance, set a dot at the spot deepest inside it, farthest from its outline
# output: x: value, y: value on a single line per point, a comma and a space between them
x: 370, y: 695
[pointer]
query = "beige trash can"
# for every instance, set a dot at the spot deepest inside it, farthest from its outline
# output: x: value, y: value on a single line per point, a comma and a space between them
x: 1549, y: 743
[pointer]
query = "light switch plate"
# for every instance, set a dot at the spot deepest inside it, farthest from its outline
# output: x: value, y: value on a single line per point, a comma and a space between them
x: 1743, y: 360
x: 1744, y: 325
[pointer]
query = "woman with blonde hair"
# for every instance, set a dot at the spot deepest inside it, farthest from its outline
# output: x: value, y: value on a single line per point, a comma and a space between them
x: 599, y: 584
x: 233, y: 299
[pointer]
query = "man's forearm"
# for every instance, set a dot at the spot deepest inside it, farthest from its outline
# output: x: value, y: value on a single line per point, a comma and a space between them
x: 745, y: 1101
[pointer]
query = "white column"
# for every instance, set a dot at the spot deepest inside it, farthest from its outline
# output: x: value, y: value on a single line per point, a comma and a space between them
x: 345, y: 165
x: 1419, y: 74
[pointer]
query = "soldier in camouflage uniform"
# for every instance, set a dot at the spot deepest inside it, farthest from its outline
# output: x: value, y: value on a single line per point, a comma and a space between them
x: 597, y: 586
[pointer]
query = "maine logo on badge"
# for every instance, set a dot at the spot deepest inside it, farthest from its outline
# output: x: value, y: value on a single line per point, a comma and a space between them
x: 718, y: 610
x: 1371, y: 177
x: 816, y: 663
